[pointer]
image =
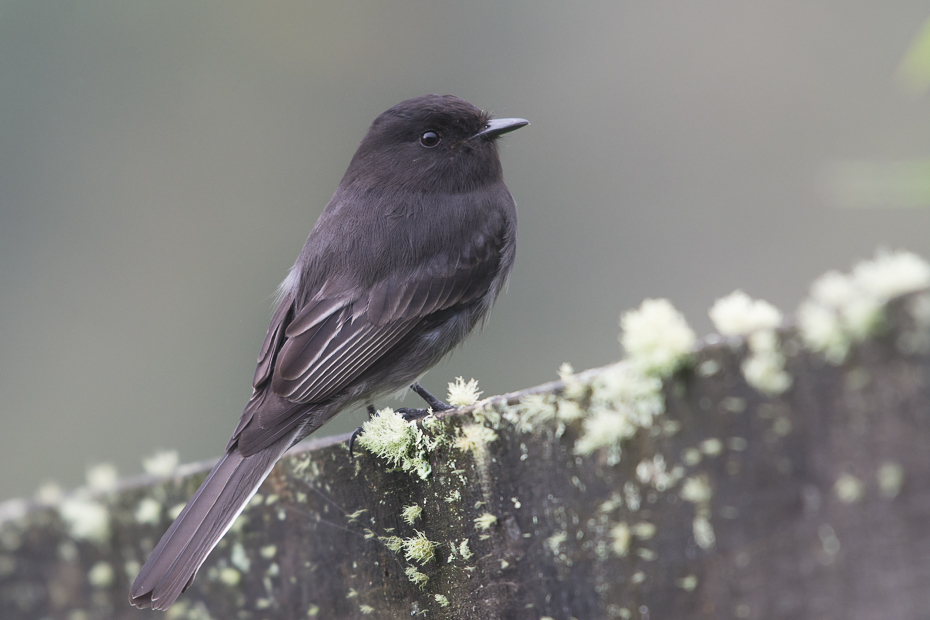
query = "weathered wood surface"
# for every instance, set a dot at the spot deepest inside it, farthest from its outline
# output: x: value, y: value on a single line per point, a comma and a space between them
x: 814, y: 504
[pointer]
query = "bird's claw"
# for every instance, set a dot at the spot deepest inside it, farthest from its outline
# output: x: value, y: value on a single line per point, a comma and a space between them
x: 359, y: 431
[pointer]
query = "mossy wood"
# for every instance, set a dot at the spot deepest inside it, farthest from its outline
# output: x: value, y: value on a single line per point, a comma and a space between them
x: 813, y: 504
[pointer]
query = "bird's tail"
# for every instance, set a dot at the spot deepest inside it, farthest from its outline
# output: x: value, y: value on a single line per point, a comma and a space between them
x: 173, y: 563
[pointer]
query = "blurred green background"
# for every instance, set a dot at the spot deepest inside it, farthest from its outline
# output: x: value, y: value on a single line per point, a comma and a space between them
x: 161, y: 164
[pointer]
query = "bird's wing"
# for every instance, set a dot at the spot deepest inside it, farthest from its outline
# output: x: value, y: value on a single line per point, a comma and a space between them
x: 324, y: 352
x: 311, y: 354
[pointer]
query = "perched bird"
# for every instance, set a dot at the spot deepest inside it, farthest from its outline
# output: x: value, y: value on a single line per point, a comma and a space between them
x: 406, y: 259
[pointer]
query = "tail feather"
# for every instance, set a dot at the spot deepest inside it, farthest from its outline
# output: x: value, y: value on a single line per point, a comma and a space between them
x: 200, y: 526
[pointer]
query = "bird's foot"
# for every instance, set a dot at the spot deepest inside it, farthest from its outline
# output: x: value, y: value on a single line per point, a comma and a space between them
x: 359, y: 430
x: 434, y: 403
x: 408, y: 413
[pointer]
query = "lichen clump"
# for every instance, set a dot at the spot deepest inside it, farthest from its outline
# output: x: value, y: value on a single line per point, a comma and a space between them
x: 656, y: 337
x: 401, y: 443
x: 411, y: 513
x: 463, y: 393
x: 737, y: 314
x: 844, y: 309
x: 419, y: 548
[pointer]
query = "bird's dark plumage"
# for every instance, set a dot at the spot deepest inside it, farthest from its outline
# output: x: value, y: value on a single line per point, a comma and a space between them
x: 406, y: 259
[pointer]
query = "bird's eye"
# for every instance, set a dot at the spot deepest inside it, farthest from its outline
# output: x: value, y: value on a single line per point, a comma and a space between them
x: 429, y: 139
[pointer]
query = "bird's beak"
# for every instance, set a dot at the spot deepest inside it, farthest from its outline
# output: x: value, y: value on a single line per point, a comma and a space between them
x: 500, y: 126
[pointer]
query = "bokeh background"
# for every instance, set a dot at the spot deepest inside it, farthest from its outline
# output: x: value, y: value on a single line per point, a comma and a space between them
x: 161, y: 164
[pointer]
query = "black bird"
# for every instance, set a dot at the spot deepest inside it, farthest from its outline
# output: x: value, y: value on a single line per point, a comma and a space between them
x: 406, y: 259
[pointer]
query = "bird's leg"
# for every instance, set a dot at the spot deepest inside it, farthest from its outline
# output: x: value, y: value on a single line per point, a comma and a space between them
x: 358, y: 431
x: 434, y: 404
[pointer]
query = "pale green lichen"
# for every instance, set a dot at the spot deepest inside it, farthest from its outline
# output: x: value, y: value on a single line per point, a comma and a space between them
x: 463, y: 393
x: 416, y: 577
x: 102, y: 477
x: 632, y: 496
x: 575, y: 389
x: 419, y: 548
x: 162, y: 463
x: 100, y: 575
x: 604, y: 428
x: 533, y: 412
x: 366, y: 609
x: 464, y: 550
x: 239, y: 558
x: 402, y: 444
x: 643, y: 530
x: 654, y: 473
x: 229, y: 576
x: 149, y: 511
x: 394, y: 543
x: 484, y: 521
x: 845, y: 309
x: 656, y: 337
x: 442, y: 600
x: 268, y: 551
x: 697, y: 490
x: 623, y: 400
x: 474, y: 438
x: 49, y: 494
x: 691, y: 456
x: 703, y: 532
x: 739, y: 315
x: 487, y: 413
x: 555, y: 541
x: 891, y: 274
x: 568, y: 411
x: 890, y: 479
x: 688, y: 584
x: 87, y: 519
x: 708, y: 368
x: 620, y: 539
x: 711, y: 447
x: 849, y: 489
x: 411, y: 513
x: 764, y: 369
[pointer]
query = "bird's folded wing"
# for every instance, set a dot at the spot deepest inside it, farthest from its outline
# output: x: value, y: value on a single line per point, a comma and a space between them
x: 313, y: 353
